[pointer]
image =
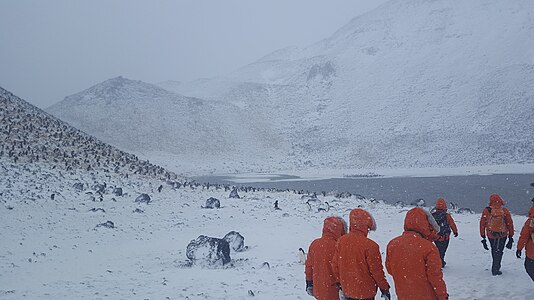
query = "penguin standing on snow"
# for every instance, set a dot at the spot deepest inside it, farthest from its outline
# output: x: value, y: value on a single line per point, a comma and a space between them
x: 326, y: 207
x: 302, y: 256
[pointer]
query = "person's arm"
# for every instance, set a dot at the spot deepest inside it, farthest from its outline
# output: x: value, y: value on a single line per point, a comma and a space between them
x: 335, y: 264
x: 434, y: 273
x: 524, y: 235
x: 388, y: 259
x: 374, y: 261
x: 509, y: 222
x: 309, y: 264
x: 452, y: 224
x: 483, y: 222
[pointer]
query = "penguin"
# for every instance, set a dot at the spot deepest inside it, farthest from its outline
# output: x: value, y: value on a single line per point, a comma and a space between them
x: 324, y: 208
x: 302, y: 256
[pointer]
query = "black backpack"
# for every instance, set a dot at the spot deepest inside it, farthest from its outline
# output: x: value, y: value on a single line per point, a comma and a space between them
x: 441, y: 219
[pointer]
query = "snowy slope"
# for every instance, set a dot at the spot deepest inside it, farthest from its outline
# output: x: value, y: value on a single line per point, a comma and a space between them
x: 142, y: 117
x: 29, y: 135
x: 53, y: 249
x: 411, y: 84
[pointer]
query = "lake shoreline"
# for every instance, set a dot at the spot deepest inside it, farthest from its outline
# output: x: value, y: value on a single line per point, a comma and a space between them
x: 470, y: 191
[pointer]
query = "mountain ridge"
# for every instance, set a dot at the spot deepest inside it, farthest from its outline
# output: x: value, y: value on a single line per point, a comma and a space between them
x: 33, y: 136
x: 409, y: 84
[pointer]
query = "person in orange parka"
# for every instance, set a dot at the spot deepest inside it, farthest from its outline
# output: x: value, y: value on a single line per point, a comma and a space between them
x: 320, y: 280
x: 413, y: 259
x: 496, y: 223
x: 446, y: 223
x: 526, y: 240
x: 357, y: 261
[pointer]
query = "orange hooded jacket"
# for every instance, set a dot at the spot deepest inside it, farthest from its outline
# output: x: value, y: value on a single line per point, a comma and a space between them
x: 319, y: 259
x: 495, y: 202
x: 357, y: 261
x: 525, y: 238
x: 414, y: 261
x: 442, y: 205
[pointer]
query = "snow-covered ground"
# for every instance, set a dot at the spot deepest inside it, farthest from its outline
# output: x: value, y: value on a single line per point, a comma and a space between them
x: 52, y: 249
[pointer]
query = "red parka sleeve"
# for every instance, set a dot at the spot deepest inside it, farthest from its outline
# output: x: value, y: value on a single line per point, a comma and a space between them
x: 374, y: 261
x: 309, y: 264
x: 434, y: 273
x: 509, y: 222
x: 452, y: 224
x: 484, y: 222
x: 524, y: 236
x: 335, y: 263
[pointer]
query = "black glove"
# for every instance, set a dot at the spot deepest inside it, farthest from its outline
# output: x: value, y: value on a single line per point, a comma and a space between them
x: 518, y: 253
x: 485, y: 243
x: 510, y: 243
x: 309, y: 287
x: 385, y: 294
x: 456, y: 234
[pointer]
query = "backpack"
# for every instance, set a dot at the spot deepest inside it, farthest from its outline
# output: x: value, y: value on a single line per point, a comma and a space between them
x: 496, y: 222
x: 441, y: 219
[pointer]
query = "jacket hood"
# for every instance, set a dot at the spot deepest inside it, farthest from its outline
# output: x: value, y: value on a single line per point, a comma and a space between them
x: 441, y: 204
x: 361, y: 220
x: 334, y: 227
x: 496, y: 201
x: 422, y: 222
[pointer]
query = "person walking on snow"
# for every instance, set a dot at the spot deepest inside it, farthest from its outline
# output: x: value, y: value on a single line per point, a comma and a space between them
x: 496, y: 223
x: 320, y: 280
x: 526, y: 240
x: 446, y: 224
x: 357, y: 261
x: 413, y: 259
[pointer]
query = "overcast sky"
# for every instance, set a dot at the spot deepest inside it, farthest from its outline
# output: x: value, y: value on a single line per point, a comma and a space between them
x: 51, y: 49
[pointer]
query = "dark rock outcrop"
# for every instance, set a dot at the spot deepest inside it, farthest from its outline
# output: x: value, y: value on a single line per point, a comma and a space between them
x: 234, y: 194
x: 465, y: 210
x: 107, y: 224
x: 117, y: 191
x: 78, y: 186
x: 419, y: 202
x: 143, y: 198
x: 212, y: 203
x: 235, y: 240
x: 208, y: 251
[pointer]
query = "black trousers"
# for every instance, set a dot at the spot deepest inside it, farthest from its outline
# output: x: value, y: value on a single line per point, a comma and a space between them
x: 497, y: 250
x: 529, y: 266
x: 442, y: 247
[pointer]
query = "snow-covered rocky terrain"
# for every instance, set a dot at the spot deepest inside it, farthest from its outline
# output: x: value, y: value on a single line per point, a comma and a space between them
x: 30, y: 135
x: 413, y: 83
x: 80, y: 229
x: 72, y: 246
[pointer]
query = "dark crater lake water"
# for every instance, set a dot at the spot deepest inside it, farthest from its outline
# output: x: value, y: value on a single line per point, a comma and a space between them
x: 470, y: 191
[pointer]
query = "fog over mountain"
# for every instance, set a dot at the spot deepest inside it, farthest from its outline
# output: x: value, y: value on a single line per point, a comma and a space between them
x: 410, y: 84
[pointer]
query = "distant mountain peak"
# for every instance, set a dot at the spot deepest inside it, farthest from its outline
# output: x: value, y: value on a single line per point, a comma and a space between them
x: 413, y: 83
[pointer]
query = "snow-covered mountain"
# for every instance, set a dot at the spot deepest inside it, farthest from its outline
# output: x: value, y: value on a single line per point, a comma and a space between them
x: 142, y: 117
x: 414, y: 83
x: 32, y: 136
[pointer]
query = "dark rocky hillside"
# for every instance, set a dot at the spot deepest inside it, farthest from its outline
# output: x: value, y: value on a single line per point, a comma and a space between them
x: 30, y: 135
